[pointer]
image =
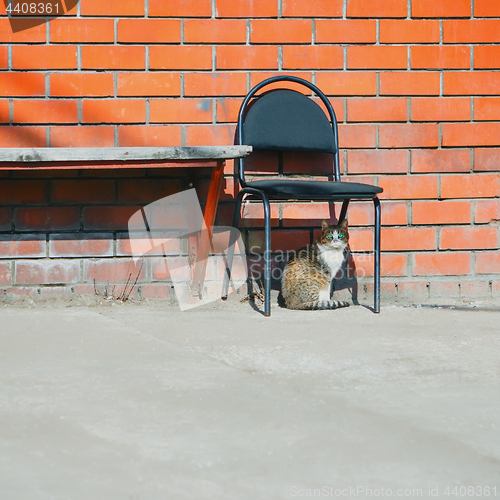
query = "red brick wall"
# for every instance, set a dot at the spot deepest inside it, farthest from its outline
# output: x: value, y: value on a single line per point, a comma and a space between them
x: 416, y: 88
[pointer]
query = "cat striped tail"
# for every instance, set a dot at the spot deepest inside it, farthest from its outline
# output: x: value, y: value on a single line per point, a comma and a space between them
x: 323, y: 304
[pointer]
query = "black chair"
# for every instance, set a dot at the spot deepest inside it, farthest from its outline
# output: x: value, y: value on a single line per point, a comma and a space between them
x: 286, y: 120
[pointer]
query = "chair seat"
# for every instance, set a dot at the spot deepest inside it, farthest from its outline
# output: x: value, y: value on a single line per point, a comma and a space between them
x: 299, y: 189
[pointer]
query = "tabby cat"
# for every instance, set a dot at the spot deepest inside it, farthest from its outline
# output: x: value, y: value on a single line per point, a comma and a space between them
x: 307, y: 278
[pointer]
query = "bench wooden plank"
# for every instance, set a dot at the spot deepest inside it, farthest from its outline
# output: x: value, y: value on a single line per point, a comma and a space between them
x: 68, y: 155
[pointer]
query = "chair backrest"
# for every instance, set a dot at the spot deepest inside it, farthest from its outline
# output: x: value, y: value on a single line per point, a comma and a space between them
x: 287, y: 120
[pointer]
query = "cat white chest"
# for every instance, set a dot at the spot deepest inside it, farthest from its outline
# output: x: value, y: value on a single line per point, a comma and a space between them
x: 333, y: 259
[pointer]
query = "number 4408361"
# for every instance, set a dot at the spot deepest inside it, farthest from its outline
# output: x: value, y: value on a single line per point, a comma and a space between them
x: 44, y: 8
x: 471, y: 491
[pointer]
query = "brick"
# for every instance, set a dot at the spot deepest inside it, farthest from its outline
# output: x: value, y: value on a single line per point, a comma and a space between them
x: 156, y: 290
x: 114, y: 271
x: 471, y: 134
x: 408, y: 238
x: 412, y: 290
x: 346, y: 31
x: 409, y: 83
x: 181, y: 111
x: 216, y: 135
x: 380, y: 57
x: 397, y: 31
x: 22, y: 246
x: 408, y: 187
x: 260, y: 76
x: 113, y: 57
x: 114, y: 111
x: 81, y: 245
x: 444, y: 8
x: 22, y: 84
x: 47, y: 272
x: 280, y: 31
x: 146, y: 190
x: 22, y: 137
x: 441, y: 264
x: 468, y: 238
x: 247, y: 56
x: 440, y: 109
x: 181, y: 8
x: 377, y: 110
x: 81, y: 84
x: 486, y: 57
x: 246, y: 9
x: 444, y: 289
x: 471, y: 31
x: 22, y: 31
x: 148, y: 84
x: 487, y: 211
x: 5, y: 273
x: 471, y: 83
x: 159, y: 246
x: 377, y: 8
x: 4, y: 57
x: 46, y: 218
x: 488, y: 262
x: 227, y: 109
x: 252, y: 215
x: 44, y: 57
x: 64, y: 30
x: 440, y: 160
x: 82, y: 191
x: 215, y: 31
x: 215, y: 84
x: 437, y: 57
x: 112, y: 8
x: 345, y: 83
x: 362, y: 214
x: 486, y: 159
x: 149, y: 136
x: 409, y: 135
x: 5, y: 219
x: 390, y: 265
x: 145, y: 31
x: 34, y: 111
x: 180, y: 57
x: 470, y: 186
x: 441, y: 212
x: 377, y: 162
x: 475, y: 289
x: 4, y: 111
x: 486, y: 8
x: 82, y: 137
x: 22, y: 192
x: 112, y: 218
x: 55, y: 292
x: 357, y: 136
x: 281, y: 240
x: 487, y: 108
x: 319, y: 8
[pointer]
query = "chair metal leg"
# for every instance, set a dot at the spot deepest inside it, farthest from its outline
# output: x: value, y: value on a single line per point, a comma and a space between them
x: 267, y: 245
x: 376, y: 291
x: 343, y: 211
x: 232, y: 242
x: 267, y: 256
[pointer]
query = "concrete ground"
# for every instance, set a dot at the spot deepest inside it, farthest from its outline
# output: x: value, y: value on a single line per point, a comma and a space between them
x: 145, y: 402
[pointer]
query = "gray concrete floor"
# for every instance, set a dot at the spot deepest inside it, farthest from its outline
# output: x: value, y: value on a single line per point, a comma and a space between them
x: 142, y: 402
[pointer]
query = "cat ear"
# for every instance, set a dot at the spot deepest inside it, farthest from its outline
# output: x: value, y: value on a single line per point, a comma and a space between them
x: 324, y: 225
x: 343, y: 225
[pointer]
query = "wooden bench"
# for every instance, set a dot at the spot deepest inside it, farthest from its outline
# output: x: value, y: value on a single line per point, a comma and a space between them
x: 137, y: 157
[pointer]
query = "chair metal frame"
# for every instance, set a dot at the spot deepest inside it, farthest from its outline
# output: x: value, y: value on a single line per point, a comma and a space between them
x: 249, y: 190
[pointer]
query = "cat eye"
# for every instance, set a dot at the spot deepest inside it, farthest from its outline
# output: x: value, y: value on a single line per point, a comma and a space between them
x: 330, y: 236
x: 341, y: 235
